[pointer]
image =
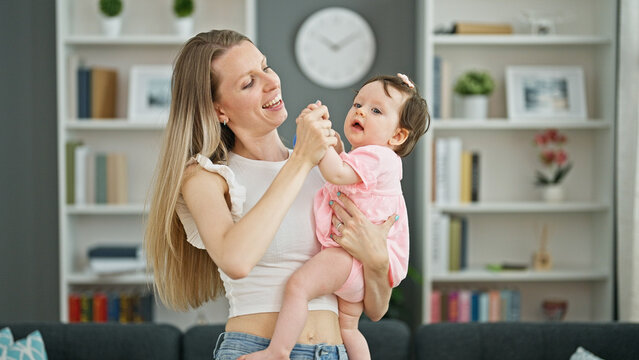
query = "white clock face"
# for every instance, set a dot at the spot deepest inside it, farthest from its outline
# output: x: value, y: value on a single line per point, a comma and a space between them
x: 335, y: 47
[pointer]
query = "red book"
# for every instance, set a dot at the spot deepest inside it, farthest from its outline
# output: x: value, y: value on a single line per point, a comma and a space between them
x: 453, y: 306
x: 74, y: 308
x: 99, y: 308
x: 464, y: 306
x: 435, y: 307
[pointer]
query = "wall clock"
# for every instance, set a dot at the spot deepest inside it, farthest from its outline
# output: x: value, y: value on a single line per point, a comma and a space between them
x: 335, y: 47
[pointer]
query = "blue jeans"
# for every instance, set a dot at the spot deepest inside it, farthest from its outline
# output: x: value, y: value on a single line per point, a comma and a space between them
x: 236, y: 344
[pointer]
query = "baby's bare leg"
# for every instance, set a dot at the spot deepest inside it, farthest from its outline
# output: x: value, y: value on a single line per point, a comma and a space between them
x: 323, y: 274
x: 354, y: 341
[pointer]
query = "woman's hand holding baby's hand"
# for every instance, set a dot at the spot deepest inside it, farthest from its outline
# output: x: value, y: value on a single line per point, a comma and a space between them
x: 314, y: 133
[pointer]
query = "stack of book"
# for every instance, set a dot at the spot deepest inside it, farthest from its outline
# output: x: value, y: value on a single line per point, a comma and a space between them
x: 449, y: 249
x: 481, y: 28
x: 113, y: 306
x: 93, y: 89
x: 113, y: 259
x: 455, y: 172
x: 465, y: 305
x: 95, y: 177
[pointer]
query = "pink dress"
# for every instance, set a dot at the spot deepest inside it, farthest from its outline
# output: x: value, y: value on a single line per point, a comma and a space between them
x: 378, y: 196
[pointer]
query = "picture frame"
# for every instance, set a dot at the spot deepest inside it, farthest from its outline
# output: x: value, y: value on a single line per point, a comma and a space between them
x: 149, y: 93
x: 545, y: 92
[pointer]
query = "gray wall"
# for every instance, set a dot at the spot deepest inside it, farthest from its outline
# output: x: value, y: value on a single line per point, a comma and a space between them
x: 394, y: 25
x: 28, y: 175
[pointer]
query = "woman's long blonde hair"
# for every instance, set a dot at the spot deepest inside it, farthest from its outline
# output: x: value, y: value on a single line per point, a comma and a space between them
x: 184, y: 276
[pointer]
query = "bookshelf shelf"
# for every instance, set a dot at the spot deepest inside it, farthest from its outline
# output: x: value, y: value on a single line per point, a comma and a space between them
x: 506, y: 124
x: 112, y: 124
x: 106, y: 209
x: 527, y: 276
x: 116, y: 279
x: 520, y: 40
x: 521, y: 207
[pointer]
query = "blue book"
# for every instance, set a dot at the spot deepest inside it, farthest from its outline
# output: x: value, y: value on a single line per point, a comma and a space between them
x: 113, y: 307
x: 515, y: 305
x: 474, y: 306
x: 463, y: 257
x: 121, y: 251
x: 100, y: 178
x: 84, y: 95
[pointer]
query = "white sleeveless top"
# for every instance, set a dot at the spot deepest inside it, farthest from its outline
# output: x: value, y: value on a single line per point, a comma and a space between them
x: 294, y: 243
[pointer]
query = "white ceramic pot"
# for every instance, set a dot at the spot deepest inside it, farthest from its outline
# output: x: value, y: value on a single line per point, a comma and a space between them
x: 184, y: 26
x: 471, y: 106
x: 111, y: 26
x: 553, y: 193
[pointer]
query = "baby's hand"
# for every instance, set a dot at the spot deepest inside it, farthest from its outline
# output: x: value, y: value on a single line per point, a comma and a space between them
x: 339, y: 147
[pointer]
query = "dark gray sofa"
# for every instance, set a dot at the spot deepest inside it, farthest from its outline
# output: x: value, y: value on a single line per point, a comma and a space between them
x: 523, y: 341
x: 387, y: 339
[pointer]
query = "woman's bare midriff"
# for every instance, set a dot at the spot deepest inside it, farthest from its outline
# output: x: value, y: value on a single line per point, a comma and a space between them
x: 321, y: 327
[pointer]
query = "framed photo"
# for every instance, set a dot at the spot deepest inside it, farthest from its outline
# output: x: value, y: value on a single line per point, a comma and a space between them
x: 545, y: 92
x: 149, y: 93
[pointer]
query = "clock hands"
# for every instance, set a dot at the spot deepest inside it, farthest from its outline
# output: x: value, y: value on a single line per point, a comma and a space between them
x: 340, y: 44
x: 345, y: 41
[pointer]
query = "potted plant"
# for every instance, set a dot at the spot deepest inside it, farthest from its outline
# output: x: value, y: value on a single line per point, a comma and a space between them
x: 183, y: 10
x: 555, y: 161
x: 472, y: 89
x: 111, y: 19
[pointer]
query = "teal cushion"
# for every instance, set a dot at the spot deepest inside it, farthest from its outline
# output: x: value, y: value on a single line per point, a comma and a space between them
x: 29, y: 348
x: 583, y: 354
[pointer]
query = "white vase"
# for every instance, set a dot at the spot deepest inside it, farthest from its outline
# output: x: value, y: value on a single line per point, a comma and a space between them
x: 471, y: 106
x: 111, y: 26
x: 184, y: 26
x: 553, y: 193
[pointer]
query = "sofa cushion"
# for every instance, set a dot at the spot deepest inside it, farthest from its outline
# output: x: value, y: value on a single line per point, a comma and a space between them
x: 523, y: 341
x: 29, y: 348
x: 387, y: 339
x: 105, y: 341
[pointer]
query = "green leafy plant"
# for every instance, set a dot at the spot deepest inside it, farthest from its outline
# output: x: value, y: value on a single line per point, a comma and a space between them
x: 474, y: 82
x: 111, y: 8
x: 553, y: 156
x: 183, y: 8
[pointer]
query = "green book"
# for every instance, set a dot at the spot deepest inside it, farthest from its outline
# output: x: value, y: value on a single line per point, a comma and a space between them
x: 100, y: 178
x: 455, y: 244
x: 70, y: 169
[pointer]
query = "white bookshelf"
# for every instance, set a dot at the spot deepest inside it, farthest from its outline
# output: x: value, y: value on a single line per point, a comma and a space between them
x: 147, y: 38
x: 504, y: 225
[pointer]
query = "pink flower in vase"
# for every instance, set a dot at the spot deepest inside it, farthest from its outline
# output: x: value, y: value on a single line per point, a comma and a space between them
x: 552, y: 156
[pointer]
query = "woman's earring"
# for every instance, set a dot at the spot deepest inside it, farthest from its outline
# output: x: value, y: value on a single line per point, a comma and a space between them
x: 225, y: 121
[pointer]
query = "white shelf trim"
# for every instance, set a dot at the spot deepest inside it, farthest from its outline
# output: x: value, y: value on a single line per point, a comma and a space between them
x: 527, y: 275
x: 119, y: 279
x: 507, y: 124
x: 112, y: 124
x: 520, y: 40
x: 125, y: 40
x: 521, y: 207
x: 106, y: 209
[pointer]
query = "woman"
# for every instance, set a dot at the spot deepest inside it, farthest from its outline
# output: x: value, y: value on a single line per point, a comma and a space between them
x: 226, y: 184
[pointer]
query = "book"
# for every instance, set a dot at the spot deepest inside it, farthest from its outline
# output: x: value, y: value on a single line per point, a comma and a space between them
x: 74, y: 308
x: 466, y: 177
x: 70, y: 147
x: 454, y: 169
x: 115, y: 251
x: 113, y: 305
x: 463, y: 247
x: 99, y: 307
x: 474, y: 306
x: 437, y: 87
x: 453, y: 306
x: 106, y: 266
x: 474, y: 187
x: 84, y: 95
x: 515, y: 306
x: 100, y: 178
x: 111, y: 173
x: 73, y: 63
x: 121, y: 195
x: 504, y: 303
x: 441, y: 172
x: 481, y: 28
x: 103, y: 92
x: 146, y: 307
x: 446, y: 90
x: 454, y: 244
x: 435, y: 307
x: 126, y: 314
x: 484, y: 307
x: 440, y: 242
x: 86, y: 307
x: 494, y: 305
x: 80, y: 172
x: 464, y: 306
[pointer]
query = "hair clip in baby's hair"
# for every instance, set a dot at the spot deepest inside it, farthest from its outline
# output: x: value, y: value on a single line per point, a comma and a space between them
x: 405, y: 80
